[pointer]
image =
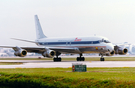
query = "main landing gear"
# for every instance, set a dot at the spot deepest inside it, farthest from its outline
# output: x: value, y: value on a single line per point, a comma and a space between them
x: 57, y: 59
x: 102, y: 58
x: 80, y: 58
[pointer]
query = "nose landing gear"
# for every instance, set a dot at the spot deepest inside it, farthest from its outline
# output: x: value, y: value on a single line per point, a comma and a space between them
x: 102, y: 58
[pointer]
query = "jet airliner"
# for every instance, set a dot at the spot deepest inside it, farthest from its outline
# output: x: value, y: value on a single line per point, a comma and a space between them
x: 53, y: 47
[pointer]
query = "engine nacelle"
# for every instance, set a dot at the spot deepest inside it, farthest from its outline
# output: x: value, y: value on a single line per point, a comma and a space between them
x: 20, y: 53
x: 49, y: 53
x: 121, y: 51
x: 110, y: 53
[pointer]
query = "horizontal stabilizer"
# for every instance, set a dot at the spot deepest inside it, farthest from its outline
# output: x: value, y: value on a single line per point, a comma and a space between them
x: 24, y: 40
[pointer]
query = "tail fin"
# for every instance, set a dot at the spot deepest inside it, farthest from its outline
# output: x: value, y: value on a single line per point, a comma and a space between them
x: 39, y: 31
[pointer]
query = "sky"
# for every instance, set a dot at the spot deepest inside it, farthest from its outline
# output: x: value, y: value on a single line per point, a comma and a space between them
x: 114, y: 19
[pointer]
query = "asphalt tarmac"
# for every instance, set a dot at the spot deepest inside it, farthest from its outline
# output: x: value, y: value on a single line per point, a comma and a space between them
x: 66, y: 64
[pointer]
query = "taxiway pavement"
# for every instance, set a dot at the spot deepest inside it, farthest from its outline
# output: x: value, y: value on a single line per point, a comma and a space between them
x: 66, y: 64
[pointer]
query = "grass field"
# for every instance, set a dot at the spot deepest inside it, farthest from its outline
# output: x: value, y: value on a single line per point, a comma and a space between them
x: 63, y: 77
x: 74, y: 59
x: 124, y: 74
x: 10, y: 63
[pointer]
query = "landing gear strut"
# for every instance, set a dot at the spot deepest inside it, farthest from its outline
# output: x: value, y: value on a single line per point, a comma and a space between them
x: 80, y: 58
x: 57, y: 59
x: 102, y: 58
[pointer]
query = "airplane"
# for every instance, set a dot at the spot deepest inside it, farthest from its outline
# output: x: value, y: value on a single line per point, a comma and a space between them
x: 53, y: 47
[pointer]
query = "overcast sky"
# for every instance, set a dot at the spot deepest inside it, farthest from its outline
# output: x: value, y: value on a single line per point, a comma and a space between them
x: 114, y: 19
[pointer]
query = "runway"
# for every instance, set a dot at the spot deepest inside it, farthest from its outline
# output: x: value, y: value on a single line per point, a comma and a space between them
x: 65, y: 64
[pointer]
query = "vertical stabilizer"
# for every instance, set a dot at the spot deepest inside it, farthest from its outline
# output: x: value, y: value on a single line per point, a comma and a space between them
x: 39, y: 31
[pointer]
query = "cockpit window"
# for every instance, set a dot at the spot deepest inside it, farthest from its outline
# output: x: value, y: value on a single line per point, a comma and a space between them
x: 106, y: 41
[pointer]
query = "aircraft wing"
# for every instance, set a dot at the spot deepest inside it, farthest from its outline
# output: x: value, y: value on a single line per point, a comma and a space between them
x: 65, y: 49
x: 43, y: 49
x: 29, y: 49
x: 117, y: 46
x: 35, y: 49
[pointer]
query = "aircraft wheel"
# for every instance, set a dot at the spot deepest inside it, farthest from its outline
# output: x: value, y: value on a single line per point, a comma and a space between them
x: 78, y: 58
x: 57, y: 59
x: 54, y: 59
x: 83, y: 59
x: 101, y: 59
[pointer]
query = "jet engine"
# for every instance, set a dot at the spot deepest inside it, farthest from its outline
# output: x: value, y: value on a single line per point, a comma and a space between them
x: 110, y: 53
x: 20, y: 53
x: 49, y: 53
x: 121, y: 51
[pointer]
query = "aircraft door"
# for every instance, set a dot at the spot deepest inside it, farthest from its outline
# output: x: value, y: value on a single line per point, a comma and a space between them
x: 68, y: 43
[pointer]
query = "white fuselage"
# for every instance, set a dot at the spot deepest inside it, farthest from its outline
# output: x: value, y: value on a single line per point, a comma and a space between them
x: 93, y: 44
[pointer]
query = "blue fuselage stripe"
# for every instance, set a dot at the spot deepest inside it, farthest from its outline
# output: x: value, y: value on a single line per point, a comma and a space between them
x: 64, y: 43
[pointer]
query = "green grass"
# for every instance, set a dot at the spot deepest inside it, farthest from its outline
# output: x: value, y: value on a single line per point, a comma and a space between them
x: 74, y: 59
x: 63, y: 77
x: 96, y: 73
x: 10, y: 63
